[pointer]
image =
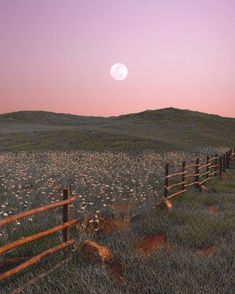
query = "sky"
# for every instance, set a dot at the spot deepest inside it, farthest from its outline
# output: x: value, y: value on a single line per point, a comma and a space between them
x: 56, y: 55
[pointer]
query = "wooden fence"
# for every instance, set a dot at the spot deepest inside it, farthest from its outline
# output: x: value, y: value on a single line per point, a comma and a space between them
x: 203, y: 172
x: 64, y: 227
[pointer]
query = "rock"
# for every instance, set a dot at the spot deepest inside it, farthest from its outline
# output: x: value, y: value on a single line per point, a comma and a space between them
x: 94, y: 252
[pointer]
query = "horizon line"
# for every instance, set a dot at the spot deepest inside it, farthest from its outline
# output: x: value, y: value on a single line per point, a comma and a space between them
x: 109, y: 116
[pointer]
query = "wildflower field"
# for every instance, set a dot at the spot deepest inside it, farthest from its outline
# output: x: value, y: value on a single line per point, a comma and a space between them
x: 125, y: 187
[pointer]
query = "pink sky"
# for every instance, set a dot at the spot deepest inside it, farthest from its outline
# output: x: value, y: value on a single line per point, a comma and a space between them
x: 56, y: 55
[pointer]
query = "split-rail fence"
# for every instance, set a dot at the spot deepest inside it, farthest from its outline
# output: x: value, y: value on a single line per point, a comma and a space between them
x: 64, y: 227
x: 202, y: 172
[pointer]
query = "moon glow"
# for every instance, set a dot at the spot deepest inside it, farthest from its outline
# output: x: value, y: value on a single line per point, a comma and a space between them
x: 119, y: 71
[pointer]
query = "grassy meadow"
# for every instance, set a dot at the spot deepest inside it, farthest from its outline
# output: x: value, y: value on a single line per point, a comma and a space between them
x: 189, y: 249
x: 167, y: 129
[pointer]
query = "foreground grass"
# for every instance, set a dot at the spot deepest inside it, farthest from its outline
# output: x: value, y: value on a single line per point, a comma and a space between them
x: 189, y: 227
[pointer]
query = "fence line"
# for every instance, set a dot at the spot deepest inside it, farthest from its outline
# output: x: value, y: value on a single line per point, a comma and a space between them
x: 64, y: 227
x: 203, y: 172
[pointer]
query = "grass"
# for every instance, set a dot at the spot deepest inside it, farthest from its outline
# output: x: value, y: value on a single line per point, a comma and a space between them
x: 168, y: 129
x: 189, y: 228
x: 76, y: 139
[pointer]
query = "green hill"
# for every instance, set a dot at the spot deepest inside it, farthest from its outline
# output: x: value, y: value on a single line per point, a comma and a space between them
x: 163, y: 129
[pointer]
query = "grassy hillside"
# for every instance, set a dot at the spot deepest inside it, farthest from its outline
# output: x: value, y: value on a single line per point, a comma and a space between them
x: 164, y: 129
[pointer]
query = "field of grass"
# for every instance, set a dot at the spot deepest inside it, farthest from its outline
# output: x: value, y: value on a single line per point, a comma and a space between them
x: 189, y: 249
x: 168, y: 129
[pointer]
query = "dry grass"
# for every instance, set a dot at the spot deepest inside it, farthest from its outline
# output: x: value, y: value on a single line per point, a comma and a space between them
x: 186, y: 249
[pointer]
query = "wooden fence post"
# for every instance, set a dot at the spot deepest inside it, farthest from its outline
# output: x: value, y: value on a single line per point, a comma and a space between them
x: 65, y: 215
x: 197, y: 171
x: 166, y: 180
x: 183, y: 175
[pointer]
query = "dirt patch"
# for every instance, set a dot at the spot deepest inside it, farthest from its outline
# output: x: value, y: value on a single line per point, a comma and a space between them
x: 152, y: 243
x: 116, y: 271
x: 206, y: 252
x: 213, y: 210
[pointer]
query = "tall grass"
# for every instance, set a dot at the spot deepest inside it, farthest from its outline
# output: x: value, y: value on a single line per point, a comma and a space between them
x: 31, y: 179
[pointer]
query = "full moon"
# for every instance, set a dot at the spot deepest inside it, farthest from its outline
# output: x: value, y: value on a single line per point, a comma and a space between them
x: 119, y: 71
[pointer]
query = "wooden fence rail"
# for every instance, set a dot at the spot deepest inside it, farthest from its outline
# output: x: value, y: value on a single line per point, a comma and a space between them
x: 203, y: 172
x: 34, y: 211
x: 35, y: 259
x: 25, y: 240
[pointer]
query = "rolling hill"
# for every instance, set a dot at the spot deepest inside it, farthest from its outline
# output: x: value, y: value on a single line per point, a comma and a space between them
x: 163, y: 129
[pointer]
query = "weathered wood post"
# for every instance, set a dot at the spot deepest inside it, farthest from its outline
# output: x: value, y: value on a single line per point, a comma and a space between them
x: 197, y: 174
x: 166, y: 180
x: 183, y: 175
x: 65, y: 215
